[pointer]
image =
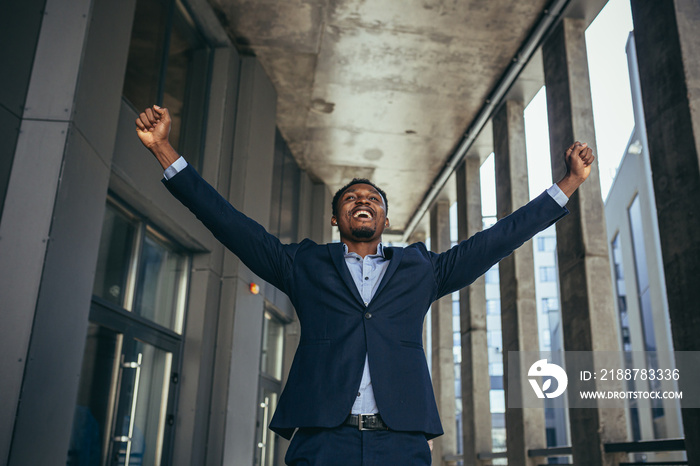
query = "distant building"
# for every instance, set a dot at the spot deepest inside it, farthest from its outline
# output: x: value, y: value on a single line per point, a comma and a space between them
x: 638, y: 276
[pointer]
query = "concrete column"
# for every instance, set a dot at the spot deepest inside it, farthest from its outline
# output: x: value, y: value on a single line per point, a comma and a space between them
x: 588, y: 313
x: 476, y: 383
x: 442, y: 342
x: 320, y: 230
x: 205, y: 309
x: 314, y: 223
x: 235, y: 385
x: 668, y: 54
x: 524, y: 427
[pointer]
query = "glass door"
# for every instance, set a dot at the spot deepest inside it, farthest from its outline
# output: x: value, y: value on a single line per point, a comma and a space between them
x: 141, y: 405
x: 265, y: 453
x: 125, y: 411
x: 270, y: 386
x: 93, y: 414
x: 124, y: 414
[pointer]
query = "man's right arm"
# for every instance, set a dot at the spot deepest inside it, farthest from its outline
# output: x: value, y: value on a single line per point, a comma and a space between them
x: 462, y: 264
x: 259, y: 250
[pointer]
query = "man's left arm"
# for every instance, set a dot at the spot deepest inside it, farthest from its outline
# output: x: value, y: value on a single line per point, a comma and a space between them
x: 464, y: 263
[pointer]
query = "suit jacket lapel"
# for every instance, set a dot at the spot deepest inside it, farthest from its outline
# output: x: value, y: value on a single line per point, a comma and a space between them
x: 336, y: 252
x: 394, y: 255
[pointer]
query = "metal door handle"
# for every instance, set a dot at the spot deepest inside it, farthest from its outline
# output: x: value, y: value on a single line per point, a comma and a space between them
x: 134, y: 398
x: 265, y: 405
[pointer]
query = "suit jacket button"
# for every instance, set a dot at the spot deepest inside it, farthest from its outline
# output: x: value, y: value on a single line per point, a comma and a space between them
x: 368, y: 315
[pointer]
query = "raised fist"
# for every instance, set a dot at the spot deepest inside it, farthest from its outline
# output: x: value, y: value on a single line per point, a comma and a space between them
x: 153, y: 126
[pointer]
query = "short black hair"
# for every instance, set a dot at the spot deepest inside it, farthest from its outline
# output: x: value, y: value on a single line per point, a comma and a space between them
x: 353, y: 182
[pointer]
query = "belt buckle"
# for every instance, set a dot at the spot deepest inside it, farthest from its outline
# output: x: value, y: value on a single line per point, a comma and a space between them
x: 360, y: 426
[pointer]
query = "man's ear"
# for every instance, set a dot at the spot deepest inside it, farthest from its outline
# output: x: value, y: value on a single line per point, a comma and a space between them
x: 386, y: 223
x: 334, y: 221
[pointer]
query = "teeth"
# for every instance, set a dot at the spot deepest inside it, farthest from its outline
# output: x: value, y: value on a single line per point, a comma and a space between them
x: 360, y: 212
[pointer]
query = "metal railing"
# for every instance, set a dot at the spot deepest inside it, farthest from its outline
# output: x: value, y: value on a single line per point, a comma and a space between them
x: 641, y: 446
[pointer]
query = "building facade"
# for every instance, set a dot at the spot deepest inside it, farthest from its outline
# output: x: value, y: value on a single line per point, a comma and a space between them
x: 639, y: 282
x: 130, y: 335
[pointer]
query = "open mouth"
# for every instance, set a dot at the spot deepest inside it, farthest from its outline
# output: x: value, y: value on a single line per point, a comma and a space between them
x: 362, y: 213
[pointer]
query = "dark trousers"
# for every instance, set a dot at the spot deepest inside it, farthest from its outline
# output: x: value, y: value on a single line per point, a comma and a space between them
x: 349, y: 446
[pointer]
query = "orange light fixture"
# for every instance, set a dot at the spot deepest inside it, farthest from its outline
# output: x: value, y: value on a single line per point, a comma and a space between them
x: 254, y: 288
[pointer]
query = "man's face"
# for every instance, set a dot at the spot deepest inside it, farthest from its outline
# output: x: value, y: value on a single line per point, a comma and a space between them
x: 361, y: 213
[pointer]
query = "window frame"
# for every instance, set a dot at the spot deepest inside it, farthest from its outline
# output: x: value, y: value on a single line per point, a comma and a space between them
x: 143, y: 228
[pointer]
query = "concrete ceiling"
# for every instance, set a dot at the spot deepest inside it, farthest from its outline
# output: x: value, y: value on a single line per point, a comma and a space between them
x: 382, y: 89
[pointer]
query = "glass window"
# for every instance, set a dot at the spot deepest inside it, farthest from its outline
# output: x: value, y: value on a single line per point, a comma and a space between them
x: 642, y: 274
x: 168, y: 65
x: 454, y: 226
x: 493, y: 306
x: 160, y: 283
x: 115, y: 256
x: 272, y: 346
x: 548, y: 274
x: 621, y: 294
x: 498, y: 437
x: 286, y: 185
x: 185, y: 87
x: 140, y: 271
x: 546, y: 341
x: 494, y: 338
x: 498, y: 401
x: 496, y: 369
x: 546, y: 243
x: 493, y: 322
x: 457, y: 349
x: 550, y: 304
x: 644, y: 299
x: 146, y: 52
x: 491, y: 275
x: 637, y: 229
x: 625, y: 334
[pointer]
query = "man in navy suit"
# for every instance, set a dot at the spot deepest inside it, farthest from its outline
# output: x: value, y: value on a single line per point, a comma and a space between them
x: 358, y: 391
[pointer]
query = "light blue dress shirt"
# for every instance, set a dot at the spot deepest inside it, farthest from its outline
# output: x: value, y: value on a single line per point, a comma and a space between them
x: 367, y: 273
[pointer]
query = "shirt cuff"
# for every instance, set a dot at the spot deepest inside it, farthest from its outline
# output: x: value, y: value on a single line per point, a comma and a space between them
x: 556, y: 193
x: 175, y: 168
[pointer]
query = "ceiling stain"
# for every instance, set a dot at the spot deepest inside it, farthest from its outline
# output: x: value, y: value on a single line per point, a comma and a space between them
x: 321, y: 106
x: 373, y: 154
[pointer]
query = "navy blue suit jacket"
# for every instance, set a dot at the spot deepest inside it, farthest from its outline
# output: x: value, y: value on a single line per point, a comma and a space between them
x: 337, y: 329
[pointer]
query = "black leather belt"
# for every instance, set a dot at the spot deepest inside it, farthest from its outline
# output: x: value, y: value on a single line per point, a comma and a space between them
x: 366, y: 422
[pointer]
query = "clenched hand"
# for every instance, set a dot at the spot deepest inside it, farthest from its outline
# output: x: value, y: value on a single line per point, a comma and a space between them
x: 153, y: 129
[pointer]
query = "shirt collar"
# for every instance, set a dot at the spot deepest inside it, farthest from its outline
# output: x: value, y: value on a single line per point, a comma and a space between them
x: 380, y: 250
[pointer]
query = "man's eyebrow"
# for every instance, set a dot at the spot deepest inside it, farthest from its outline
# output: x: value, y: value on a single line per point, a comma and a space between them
x: 352, y: 190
